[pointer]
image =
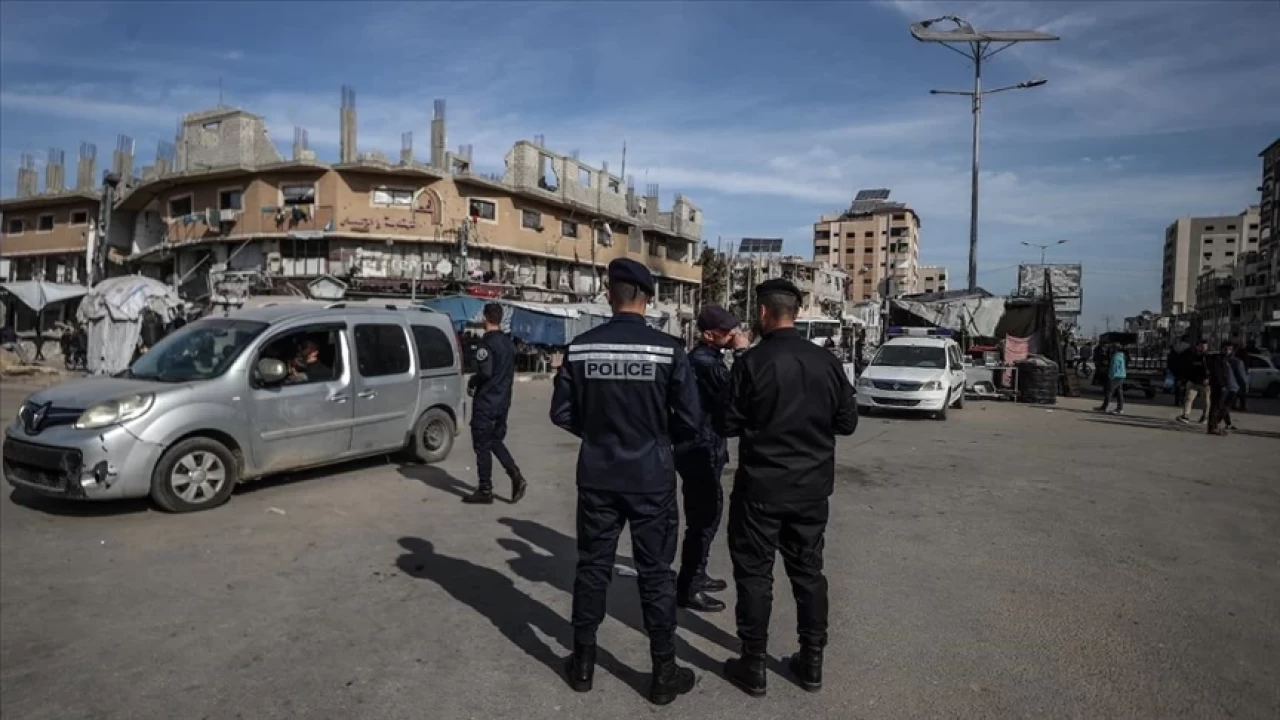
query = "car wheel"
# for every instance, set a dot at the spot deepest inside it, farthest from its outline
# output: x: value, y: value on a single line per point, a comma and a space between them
x: 864, y: 410
x: 196, y: 474
x: 941, y: 414
x: 433, y: 436
x: 1273, y: 390
x: 960, y: 400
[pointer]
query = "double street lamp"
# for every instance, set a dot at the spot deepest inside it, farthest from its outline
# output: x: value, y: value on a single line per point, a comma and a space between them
x: 977, y: 46
x: 1043, y: 248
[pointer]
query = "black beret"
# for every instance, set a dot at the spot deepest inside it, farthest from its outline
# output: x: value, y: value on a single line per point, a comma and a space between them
x: 631, y: 272
x: 778, y: 285
x: 714, y: 317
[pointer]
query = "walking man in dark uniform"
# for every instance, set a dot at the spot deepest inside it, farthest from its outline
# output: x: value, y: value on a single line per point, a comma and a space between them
x: 701, y: 462
x: 491, y: 387
x: 627, y: 391
x: 788, y: 399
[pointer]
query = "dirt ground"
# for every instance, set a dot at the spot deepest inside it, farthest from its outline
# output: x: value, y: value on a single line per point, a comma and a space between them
x: 1013, y: 561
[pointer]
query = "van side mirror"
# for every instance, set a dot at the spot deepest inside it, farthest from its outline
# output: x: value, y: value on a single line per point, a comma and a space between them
x: 272, y: 371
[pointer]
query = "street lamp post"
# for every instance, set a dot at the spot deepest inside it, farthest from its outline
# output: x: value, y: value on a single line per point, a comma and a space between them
x: 1043, y: 248
x: 977, y: 46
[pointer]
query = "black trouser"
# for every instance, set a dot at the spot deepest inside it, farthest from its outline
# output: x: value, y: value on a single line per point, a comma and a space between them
x: 1179, y: 391
x: 1220, y: 402
x: 700, y: 471
x: 1113, y: 386
x: 487, y: 434
x: 756, y: 532
x: 655, y: 527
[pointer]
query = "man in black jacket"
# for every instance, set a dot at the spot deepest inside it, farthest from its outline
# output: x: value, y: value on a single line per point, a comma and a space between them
x: 492, y: 386
x: 1195, y: 374
x: 788, y: 400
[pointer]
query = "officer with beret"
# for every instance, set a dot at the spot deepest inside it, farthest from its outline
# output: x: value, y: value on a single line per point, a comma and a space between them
x: 491, y: 387
x: 627, y: 391
x: 700, y: 462
x: 788, y: 399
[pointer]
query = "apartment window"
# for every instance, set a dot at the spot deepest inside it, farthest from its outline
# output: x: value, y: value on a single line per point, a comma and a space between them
x: 530, y: 220
x: 869, y: 233
x: 822, y: 235
x: 231, y: 199
x: 569, y: 228
x: 1208, y: 241
x: 44, y: 223
x: 483, y: 209
x: 292, y: 195
x: 1253, y: 226
x: 1231, y: 227
x: 392, y: 197
x: 1231, y: 239
x: 1208, y: 228
x: 15, y: 227
x: 851, y: 234
x: 1230, y: 254
x: 181, y: 206
x: 900, y: 216
x: 928, y: 278
x: 79, y: 217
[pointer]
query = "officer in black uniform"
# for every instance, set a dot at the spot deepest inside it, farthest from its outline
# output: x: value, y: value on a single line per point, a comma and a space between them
x: 788, y: 400
x: 491, y: 387
x: 701, y: 462
x: 626, y: 390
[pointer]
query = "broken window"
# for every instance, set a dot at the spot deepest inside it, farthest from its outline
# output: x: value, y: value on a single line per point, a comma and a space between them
x: 44, y: 223
x: 181, y: 206
x: 482, y: 209
x: 548, y: 179
x: 654, y: 244
x: 15, y: 226
x: 614, y: 185
x: 213, y: 126
x: 693, y: 216
x: 297, y: 195
x: 392, y: 197
x: 531, y: 219
x: 231, y: 199
x: 80, y: 217
x: 568, y: 228
x: 584, y: 177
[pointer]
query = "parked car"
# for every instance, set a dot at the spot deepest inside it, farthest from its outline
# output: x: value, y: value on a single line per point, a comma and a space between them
x: 1264, y: 377
x: 914, y: 372
x: 227, y: 399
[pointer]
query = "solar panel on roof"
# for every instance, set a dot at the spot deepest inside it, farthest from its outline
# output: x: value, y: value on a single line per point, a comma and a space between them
x: 760, y: 245
x: 876, y: 194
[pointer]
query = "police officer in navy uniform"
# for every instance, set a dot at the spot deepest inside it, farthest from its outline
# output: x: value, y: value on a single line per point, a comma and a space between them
x: 788, y: 399
x: 627, y: 391
x: 701, y: 462
x: 491, y: 387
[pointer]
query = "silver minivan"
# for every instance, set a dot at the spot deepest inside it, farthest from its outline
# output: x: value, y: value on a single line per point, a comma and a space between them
x: 258, y: 392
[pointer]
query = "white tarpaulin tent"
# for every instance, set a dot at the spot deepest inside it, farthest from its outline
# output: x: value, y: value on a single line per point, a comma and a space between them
x: 36, y: 294
x: 977, y: 316
x: 113, y: 312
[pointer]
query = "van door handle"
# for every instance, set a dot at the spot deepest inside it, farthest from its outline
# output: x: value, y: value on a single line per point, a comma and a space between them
x: 338, y: 399
x: 367, y: 394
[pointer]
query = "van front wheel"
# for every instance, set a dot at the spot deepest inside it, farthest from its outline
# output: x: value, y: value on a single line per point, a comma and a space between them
x: 433, y: 436
x: 196, y: 474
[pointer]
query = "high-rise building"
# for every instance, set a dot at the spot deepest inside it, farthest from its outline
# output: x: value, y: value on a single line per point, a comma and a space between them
x: 1193, y: 246
x: 933, y: 279
x: 876, y: 242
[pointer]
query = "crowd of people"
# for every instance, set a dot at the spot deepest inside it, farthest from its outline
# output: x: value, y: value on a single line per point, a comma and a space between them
x: 647, y: 412
x: 1220, y: 378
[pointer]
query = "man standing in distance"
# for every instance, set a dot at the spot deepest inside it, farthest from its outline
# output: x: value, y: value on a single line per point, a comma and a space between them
x: 491, y: 387
x: 787, y: 401
x: 627, y: 391
x: 701, y: 462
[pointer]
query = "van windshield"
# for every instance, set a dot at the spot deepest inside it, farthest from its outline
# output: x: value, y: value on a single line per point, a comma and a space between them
x: 918, y: 356
x: 199, y: 351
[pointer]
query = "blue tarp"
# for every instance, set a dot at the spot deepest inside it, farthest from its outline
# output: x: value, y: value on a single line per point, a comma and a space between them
x: 537, y: 328
x: 461, y: 309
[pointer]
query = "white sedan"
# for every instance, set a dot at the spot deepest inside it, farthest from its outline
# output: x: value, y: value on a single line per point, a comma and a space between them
x: 915, y: 374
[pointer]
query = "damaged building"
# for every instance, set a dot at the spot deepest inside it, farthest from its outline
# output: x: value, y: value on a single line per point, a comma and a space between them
x: 222, y: 207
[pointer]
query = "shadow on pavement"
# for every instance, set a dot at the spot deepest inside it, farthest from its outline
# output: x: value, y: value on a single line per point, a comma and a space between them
x: 66, y: 507
x: 513, y: 612
x: 296, y: 476
x: 1171, y: 426
x: 556, y: 568
x: 436, y: 478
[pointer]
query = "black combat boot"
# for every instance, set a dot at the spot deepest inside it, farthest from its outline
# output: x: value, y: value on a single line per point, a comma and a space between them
x: 747, y: 672
x: 669, y: 679
x: 806, y: 666
x: 483, y: 496
x: 699, y: 601
x: 580, y: 668
x: 710, y: 584
x: 518, y: 487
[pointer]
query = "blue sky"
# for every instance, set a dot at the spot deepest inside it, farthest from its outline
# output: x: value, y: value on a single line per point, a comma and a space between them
x: 767, y: 115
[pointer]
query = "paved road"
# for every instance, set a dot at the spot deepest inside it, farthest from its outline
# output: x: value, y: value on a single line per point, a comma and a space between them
x: 1010, y: 562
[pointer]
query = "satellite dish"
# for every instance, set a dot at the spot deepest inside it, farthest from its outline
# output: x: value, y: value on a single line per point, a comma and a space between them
x: 444, y: 267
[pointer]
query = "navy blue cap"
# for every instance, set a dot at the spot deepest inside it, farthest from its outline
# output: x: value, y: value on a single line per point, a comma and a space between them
x: 714, y: 317
x: 631, y: 272
x: 778, y: 285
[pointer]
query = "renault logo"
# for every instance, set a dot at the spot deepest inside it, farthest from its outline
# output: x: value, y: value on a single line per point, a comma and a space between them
x: 35, y: 416
x: 896, y: 386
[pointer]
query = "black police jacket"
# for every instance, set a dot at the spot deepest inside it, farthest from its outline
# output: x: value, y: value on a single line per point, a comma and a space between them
x: 787, y: 401
x: 495, y: 375
x: 627, y: 391
x: 712, y: 377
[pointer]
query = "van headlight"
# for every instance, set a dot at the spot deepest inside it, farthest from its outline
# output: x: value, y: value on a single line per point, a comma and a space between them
x: 115, y: 411
x: 932, y: 385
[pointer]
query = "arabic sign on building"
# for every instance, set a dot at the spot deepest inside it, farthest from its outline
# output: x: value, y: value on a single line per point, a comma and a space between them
x: 1064, y: 280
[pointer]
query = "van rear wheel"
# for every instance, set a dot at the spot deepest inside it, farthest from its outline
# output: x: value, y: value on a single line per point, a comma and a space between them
x: 433, y: 436
x: 196, y: 474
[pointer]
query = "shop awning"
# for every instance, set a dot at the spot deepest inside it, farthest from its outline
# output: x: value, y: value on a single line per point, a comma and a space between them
x: 36, y: 294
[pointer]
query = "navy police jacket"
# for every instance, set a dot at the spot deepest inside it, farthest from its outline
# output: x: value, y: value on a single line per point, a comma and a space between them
x: 495, y: 375
x: 627, y: 391
x: 712, y: 376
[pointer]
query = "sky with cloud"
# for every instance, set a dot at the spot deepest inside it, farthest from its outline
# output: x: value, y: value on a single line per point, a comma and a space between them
x: 767, y: 115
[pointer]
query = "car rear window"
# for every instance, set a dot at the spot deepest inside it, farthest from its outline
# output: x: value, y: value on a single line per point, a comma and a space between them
x: 435, y: 349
